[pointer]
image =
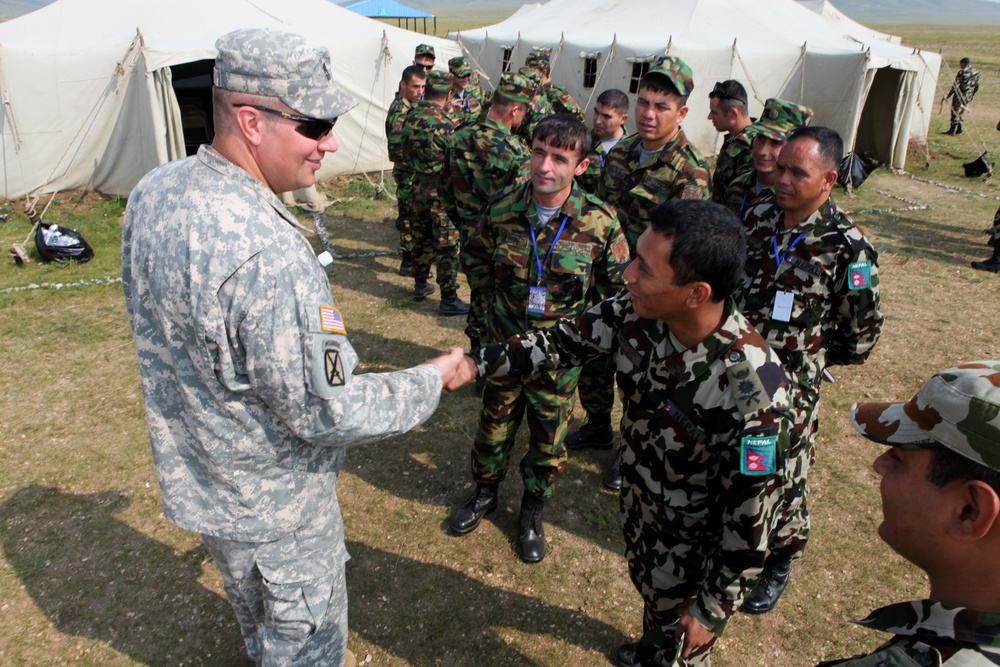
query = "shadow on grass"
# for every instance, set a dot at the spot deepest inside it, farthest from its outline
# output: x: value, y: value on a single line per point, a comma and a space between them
x: 458, y: 617
x: 94, y: 576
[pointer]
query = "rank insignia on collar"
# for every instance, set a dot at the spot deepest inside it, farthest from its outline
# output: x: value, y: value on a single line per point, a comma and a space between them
x: 334, y: 369
x: 331, y: 320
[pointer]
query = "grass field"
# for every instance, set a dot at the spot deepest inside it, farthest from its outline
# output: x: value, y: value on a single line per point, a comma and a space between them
x: 92, y: 574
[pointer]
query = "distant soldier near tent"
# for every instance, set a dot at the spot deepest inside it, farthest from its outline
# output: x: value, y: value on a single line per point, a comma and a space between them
x: 411, y: 89
x: 962, y: 91
x: 728, y: 113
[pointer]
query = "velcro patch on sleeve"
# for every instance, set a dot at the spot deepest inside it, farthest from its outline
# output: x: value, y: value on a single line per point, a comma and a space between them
x: 334, y: 369
x: 860, y: 275
x: 331, y: 320
x: 758, y: 454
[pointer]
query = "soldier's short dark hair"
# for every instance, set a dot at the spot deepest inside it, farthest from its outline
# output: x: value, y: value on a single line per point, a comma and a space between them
x: 964, y: 61
x: 731, y: 95
x: 831, y: 146
x: 614, y: 99
x: 708, y: 243
x: 947, y: 466
x: 563, y: 131
x: 414, y: 72
x: 659, y: 83
x: 436, y: 93
x: 500, y: 101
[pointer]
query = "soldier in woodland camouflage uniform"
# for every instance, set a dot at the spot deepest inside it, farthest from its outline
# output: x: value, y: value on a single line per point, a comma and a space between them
x: 424, y: 57
x: 705, y: 425
x: 811, y: 289
x: 729, y: 113
x: 247, y: 374
x: 484, y: 158
x: 962, y: 91
x: 658, y: 163
x: 610, y: 114
x: 411, y: 89
x: 467, y: 98
x: 941, y: 511
x: 558, y: 97
x: 540, y: 106
x: 427, y: 136
x: 769, y: 134
x: 543, y: 250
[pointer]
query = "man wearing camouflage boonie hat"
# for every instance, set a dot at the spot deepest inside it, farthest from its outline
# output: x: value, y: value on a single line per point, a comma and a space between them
x: 778, y: 119
x: 940, y: 492
x: 467, y: 98
x: 246, y: 369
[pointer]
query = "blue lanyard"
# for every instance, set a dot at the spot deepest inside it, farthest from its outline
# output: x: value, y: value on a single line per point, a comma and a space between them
x: 601, y: 155
x: 534, y: 244
x: 779, y: 258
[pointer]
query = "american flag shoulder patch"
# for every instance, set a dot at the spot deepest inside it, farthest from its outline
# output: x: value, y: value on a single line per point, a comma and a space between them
x: 331, y: 320
x: 758, y: 454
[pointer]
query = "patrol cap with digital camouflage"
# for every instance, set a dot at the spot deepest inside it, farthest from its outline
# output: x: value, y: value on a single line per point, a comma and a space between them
x: 424, y: 50
x: 460, y: 66
x: 779, y: 118
x: 958, y: 408
x: 676, y: 70
x: 516, y: 88
x: 439, y: 81
x: 282, y: 65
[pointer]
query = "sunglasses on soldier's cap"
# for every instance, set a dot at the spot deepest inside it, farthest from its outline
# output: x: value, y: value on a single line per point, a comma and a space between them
x: 720, y: 92
x: 311, y: 128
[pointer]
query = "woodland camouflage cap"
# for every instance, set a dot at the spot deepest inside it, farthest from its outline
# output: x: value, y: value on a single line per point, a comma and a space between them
x: 516, y: 88
x: 282, y: 65
x: 958, y: 408
x: 438, y: 80
x: 460, y: 66
x: 424, y: 50
x: 676, y: 70
x: 780, y: 118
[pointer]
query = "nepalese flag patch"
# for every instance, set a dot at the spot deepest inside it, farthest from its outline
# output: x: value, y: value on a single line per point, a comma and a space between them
x: 860, y: 275
x: 331, y: 320
x: 758, y: 454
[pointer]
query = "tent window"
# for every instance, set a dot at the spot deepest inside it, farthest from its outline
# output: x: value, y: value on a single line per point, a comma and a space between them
x: 505, y: 63
x: 589, y: 72
x: 639, y: 70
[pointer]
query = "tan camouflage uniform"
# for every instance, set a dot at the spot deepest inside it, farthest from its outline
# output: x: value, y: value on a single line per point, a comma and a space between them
x: 501, y: 264
x: 697, y: 504
x: 832, y: 271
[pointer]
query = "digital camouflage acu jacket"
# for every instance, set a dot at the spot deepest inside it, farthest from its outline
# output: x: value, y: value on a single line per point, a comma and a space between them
x: 931, y: 634
x: 677, y: 171
x: 590, y: 256
x: 689, y: 421
x: 831, y: 271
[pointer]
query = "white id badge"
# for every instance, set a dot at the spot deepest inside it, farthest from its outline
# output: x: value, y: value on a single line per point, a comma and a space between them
x: 536, y: 301
x: 782, y: 311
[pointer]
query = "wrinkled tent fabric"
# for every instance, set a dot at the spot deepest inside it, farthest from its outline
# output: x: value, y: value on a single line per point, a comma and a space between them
x: 871, y: 91
x: 87, y: 96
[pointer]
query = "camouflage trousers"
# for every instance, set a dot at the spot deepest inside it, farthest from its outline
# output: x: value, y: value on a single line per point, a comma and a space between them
x: 791, y: 531
x: 547, y: 398
x: 475, y: 322
x: 597, y: 385
x: 404, y: 208
x: 289, y: 596
x: 958, y: 111
x: 435, y: 238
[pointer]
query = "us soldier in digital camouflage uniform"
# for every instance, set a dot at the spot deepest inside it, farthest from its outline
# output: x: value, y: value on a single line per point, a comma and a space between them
x: 484, y: 158
x: 962, y: 91
x: 658, y: 163
x: 729, y: 113
x: 993, y: 263
x: 247, y: 374
x: 411, y: 89
x: 941, y: 511
x: 811, y: 288
x: 560, y: 99
x: 610, y: 114
x: 705, y: 425
x: 427, y: 136
x: 543, y: 250
x: 468, y: 98
x: 777, y: 120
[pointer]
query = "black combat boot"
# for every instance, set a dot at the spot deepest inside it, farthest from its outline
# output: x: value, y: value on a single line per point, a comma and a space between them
x: 951, y: 130
x: 613, y: 479
x: 406, y: 265
x: 467, y: 517
x: 532, y: 541
x: 421, y: 288
x: 771, y: 585
x: 595, y: 434
x: 992, y: 264
x: 452, y: 305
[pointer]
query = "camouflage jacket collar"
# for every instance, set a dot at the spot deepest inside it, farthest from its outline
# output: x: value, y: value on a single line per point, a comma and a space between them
x: 659, y: 156
x: 927, y: 618
x: 486, y: 121
x: 598, y: 147
x: 572, y: 207
x: 698, y: 360
x: 825, y: 212
x: 431, y: 109
x: 216, y: 162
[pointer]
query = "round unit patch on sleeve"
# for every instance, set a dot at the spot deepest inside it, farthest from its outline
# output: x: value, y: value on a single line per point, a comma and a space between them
x: 331, y: 320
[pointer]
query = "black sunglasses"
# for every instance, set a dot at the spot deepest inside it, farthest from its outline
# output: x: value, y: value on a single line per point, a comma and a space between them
x: 721, y: 93
x: 311, y: 128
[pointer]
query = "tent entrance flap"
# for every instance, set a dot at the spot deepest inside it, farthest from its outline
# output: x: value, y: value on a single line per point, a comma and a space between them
x: 192, y: 84
x: 882, y: 126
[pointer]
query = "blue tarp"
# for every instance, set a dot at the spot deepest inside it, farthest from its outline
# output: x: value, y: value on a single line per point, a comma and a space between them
x: 386, y: 9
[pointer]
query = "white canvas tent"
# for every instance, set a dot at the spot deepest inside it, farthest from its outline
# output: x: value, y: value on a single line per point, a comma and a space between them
x: 89, y: 99
x: 871, y: 92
